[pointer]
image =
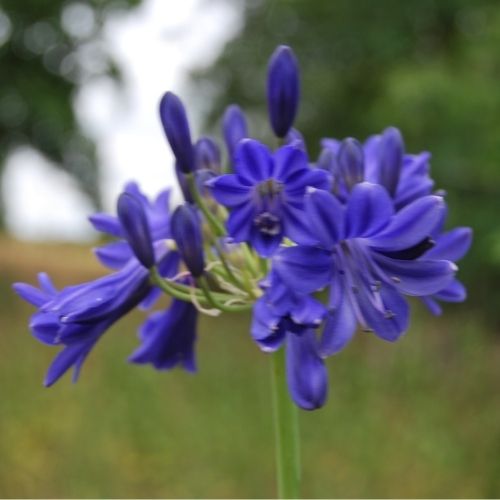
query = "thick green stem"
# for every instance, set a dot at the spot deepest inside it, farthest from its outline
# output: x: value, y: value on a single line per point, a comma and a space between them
x: 286, y: 424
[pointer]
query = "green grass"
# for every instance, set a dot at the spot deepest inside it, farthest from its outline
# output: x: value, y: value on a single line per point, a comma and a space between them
x: 419, y: 418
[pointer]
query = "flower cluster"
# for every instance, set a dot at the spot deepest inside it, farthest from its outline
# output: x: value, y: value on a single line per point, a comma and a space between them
x: 317, y: 250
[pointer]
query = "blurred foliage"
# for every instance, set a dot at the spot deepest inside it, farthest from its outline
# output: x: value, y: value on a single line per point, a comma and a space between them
x: 430, y: 67
x: 413, y: 419
x: 48, y: 48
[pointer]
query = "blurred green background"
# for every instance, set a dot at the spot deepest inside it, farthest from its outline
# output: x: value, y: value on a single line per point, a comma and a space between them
x: 420, y: 418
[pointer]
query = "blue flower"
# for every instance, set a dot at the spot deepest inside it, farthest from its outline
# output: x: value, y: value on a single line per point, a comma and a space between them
x: 266, y: 194
x: 168, y: 338
x: 117, y: 253
x: 369, y: 257
x: 77, y: 316
x: 283, y: 317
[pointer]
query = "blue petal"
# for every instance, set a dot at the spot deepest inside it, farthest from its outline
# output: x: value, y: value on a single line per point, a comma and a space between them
x: 114, y: 255
x: 341, y: 322
x: 304, y: 269
x: 325, y: 214
x: 432, y: 305
x: 107, y: 224
x: 265, y: 244
x: 368, y: 211
x: 296, y: 184
x: 410, y: 225
x: 391, y: 158
x: 253, y: 161
x: 31, y: 294
x: 288, y: 160
x: 239, y: 223
x: 390, y: 323
x: 306, y: 372
x: 454, y: 292
x: 297, y: 227
x: 416, y: 277
x: 452, y: 245
x: 229, y: 191
x: 72, y: 355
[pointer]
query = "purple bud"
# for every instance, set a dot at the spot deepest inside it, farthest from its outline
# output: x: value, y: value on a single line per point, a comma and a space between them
x: 234, y: 128
x: 283, y: 89
x: 136, y: 228
x: 186, y: 231
x: 176, y: 126
x: 207, y: 154
x: 351, y: 162
x: 392, y: 149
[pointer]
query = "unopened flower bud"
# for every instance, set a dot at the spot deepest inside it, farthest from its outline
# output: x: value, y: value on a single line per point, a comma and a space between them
x: 283, y: 90
x: 186, y: 231
x: 176, y: 126
x: 136, y: 228
x: 234, y: 128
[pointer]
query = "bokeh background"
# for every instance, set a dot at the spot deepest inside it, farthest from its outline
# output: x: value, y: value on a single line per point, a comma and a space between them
x: 79, y: 87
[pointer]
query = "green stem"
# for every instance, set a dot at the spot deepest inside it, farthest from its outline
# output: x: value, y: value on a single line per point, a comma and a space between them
x: 286, y: 425
x: 214, y: 223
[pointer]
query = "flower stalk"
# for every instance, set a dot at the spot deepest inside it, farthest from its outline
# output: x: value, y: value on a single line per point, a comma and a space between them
x: 286, y: 427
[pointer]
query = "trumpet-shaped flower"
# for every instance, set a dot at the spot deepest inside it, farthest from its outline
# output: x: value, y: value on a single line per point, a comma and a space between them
x: 265, y: 195
x: 369, y: 257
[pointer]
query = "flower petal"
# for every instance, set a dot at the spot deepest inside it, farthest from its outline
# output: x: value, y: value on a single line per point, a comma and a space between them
x: 416, y: 277
x: 341, y: 321
x: 454, y: 292
x: 306, y: 372
x: 390, y: 323
x: 368, y: 211
x: 239, y: 223
x: 410, y: 225
x: 253, y: 161
x: 228, y: 190
x: 288, y: 160
x: 304, y: 269
x: 326, y: 217
x: 452, y: 245
x: 114, y: 255
x: 106, y: 223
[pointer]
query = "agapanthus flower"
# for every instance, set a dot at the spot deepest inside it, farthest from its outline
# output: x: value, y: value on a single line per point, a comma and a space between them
x: 282, y: 317
x: 77, y: 316
x: 266, y: 195
x: 369, y: 257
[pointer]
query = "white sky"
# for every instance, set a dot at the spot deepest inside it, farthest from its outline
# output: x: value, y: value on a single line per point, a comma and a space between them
x: 155, y: 45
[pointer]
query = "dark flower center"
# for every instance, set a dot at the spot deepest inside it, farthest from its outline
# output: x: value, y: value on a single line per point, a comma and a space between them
x: 268, y: 223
